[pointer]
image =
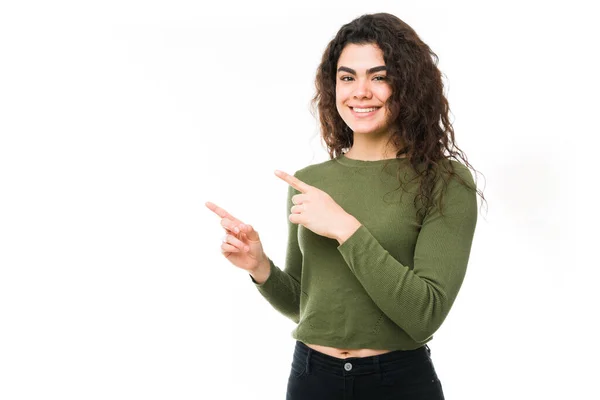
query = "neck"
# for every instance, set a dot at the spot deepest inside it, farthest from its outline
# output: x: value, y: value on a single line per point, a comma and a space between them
x: 365, y: 148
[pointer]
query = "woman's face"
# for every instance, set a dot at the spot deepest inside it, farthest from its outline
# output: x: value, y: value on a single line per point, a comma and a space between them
x: 361, y: 85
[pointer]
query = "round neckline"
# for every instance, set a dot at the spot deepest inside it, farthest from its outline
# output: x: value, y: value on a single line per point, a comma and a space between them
x: 352, y: 162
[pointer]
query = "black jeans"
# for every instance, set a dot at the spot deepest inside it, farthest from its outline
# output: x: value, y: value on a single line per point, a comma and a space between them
x: 395, y: 375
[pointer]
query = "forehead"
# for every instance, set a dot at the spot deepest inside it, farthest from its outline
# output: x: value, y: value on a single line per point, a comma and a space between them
x: 361, y: 56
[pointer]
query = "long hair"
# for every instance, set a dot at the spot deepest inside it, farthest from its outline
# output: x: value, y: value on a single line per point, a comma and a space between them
x: 417, y: 105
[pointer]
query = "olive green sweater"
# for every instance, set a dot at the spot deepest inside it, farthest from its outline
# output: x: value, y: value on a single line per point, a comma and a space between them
x: 392, y: 283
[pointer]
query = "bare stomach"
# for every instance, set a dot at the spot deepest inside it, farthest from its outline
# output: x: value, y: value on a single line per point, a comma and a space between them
x: 346, y: 353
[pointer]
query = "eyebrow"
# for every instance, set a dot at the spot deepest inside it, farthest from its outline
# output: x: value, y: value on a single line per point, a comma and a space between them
x: 369, y: 71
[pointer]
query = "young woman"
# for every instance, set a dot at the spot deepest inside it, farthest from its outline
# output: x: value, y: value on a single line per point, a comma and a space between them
x: 380, y: 234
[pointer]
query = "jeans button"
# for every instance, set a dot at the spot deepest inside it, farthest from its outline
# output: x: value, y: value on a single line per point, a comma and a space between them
x: 347, y: 366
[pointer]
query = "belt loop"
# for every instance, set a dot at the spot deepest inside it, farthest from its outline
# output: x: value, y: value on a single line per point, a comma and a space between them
x: 308, y: 353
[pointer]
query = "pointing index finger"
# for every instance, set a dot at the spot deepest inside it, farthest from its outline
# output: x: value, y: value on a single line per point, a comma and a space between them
x: 293, y: 181
x: 221, y: 212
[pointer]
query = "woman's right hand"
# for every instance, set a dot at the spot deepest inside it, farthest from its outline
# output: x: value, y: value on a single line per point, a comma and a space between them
x: 242, y: 246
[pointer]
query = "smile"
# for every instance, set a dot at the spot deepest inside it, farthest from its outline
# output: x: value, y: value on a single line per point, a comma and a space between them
x: 364, y: 112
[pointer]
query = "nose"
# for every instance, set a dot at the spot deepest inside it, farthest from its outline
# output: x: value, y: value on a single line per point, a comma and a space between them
x: 363, y: 89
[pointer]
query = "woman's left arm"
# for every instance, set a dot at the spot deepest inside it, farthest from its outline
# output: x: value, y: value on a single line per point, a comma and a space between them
x: 419, y: 299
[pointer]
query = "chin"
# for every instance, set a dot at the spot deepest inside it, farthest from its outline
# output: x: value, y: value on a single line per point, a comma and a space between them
x: 368, y: 131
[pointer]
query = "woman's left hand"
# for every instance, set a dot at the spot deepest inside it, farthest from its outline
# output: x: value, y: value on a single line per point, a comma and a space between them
x: 317, y: 211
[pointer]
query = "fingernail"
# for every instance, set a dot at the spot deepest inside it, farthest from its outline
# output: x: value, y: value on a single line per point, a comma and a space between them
x: 236, y: 230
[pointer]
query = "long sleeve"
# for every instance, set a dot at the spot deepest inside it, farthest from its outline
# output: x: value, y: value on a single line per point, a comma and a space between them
x: 282, y: 288
x: 419, y: 299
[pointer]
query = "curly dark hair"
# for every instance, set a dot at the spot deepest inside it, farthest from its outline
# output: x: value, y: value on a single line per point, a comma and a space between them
x: 421, y: 127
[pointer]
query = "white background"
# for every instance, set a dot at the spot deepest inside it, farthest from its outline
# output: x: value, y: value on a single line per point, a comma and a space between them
x: 120, y: 119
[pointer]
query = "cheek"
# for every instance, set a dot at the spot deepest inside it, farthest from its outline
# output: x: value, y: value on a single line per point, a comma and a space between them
x: 339, y: 101
x: 338, y: 96
x: 384, y: 92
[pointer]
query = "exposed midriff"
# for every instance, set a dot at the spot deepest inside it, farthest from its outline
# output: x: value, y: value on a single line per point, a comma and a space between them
x: 346, y: 353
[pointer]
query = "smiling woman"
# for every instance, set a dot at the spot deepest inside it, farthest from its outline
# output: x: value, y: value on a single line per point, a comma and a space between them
x: 371, y: 272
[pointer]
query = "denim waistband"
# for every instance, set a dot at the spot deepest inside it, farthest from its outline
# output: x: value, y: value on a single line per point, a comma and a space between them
x: 311, y: 358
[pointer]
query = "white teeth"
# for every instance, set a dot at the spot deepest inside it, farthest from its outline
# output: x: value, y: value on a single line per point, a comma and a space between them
x: 364, y: 110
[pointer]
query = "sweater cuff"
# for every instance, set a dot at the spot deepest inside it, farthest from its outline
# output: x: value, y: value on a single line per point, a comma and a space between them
x: 270, y: 278
x: 361, y: 235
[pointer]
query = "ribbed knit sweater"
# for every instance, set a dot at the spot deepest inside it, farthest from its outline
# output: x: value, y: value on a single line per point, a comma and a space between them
x: 392, y: 283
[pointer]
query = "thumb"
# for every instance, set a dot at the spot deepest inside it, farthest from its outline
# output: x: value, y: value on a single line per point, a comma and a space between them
x: 250, y: 233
